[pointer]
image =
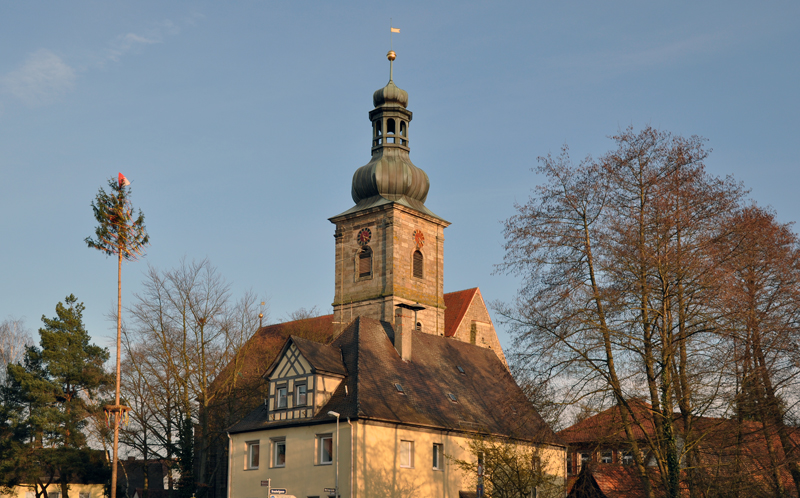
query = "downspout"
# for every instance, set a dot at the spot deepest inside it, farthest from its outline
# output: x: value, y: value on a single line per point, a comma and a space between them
x: 352, y: 456
x: 230, y: 459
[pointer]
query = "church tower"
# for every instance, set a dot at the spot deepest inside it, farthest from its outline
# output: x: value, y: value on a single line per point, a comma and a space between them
x: 389, y: 246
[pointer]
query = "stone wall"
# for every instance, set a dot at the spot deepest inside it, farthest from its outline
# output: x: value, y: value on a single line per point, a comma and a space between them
x: 477, y: 322
x: 392, y: 228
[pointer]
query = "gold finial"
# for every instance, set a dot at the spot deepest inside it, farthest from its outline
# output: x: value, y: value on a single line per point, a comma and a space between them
x: 391, y: 55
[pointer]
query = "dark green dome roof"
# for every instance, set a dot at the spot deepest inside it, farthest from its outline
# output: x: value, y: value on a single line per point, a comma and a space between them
x: 390, y: 94
x: 392, y: 175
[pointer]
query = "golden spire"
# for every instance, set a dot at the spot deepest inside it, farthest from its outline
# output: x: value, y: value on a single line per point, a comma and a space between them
x: 391, y: 56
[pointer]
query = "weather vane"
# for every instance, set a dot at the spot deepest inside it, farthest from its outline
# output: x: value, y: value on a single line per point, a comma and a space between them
x: 391, y: 55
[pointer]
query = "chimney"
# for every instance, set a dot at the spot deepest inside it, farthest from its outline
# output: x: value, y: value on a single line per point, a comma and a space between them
x: 403, y: 328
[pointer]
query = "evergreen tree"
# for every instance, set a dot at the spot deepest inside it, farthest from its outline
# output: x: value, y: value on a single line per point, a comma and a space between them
x: 47, y: 402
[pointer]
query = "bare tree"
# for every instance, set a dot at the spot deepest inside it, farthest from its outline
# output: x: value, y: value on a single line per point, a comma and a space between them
x: 763, y: 300
x: 620, y: 285
x: 185, y: 329
x: 14, y: 339
x: 508, y: 469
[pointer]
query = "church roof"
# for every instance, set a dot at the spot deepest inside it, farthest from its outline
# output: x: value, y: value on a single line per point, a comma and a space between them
x: 457, y: 303
x: 487, y: 399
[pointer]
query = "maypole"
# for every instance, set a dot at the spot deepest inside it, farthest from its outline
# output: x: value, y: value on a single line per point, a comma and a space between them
x: 118, y: 234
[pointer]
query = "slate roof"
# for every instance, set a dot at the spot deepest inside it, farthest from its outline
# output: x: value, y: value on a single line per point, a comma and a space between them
x: 489, y: 401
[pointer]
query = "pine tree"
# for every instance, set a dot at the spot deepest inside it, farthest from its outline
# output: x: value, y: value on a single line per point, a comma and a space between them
x: 48, y: 400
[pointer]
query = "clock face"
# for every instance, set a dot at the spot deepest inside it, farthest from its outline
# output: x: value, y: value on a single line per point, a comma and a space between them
x: 364, y: 236
x: 419, y: 238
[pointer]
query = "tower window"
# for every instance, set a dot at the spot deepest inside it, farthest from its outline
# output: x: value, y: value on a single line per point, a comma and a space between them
x: 417, y: 264
x: 403, y: 128
x: 365, y: 262
x: 390, y: 130
x: 419, y: 326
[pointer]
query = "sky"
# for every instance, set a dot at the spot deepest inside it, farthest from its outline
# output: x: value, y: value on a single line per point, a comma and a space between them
x: 240, y: 124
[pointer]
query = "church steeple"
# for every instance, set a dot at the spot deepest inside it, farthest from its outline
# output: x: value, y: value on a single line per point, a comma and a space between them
x: 389, y: 246
x: 390, y: 176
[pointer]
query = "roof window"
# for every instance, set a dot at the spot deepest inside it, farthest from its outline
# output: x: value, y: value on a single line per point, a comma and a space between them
x: 452, y: 397
x: 460, y: 369
x: 399, y: 388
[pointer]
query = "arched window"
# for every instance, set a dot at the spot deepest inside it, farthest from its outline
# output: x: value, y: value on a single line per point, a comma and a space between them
x: 365, y: 262
x: 390, y: 130
x: 419, y: 326
x: 417, y: 264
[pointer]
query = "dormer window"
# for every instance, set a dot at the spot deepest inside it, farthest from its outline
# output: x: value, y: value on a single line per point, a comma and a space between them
x: 282, y: 395
x: 300, y: 395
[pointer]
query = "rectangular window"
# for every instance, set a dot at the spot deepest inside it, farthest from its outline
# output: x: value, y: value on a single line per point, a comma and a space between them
x: 252, y: 449
x: 407, y: 454
x: 438, y: 455
x: 282, y: 397
x: 300, y: 395
x: 53, y: 494
x: 627, y: 458
x: 85, y: 494
x: 536, y: 464
x: 606, y: 457
x: 279, y: 452
x: 570, y: 470
x: 586, y: 458
x: 324, y: 449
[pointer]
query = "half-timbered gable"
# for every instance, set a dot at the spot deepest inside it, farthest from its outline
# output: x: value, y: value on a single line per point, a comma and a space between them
x: 302, y: 379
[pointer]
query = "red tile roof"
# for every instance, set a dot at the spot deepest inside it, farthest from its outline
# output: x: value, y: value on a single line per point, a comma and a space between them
x: 457, y: 304
x: 607, y: 426
x: 726, y: 448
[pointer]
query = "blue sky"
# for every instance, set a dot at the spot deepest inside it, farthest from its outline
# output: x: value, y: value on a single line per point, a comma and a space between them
x: 240, y: 125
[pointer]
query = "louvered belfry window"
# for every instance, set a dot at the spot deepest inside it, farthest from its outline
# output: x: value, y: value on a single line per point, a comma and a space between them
x: 365, y: 262
x: 417, y: 264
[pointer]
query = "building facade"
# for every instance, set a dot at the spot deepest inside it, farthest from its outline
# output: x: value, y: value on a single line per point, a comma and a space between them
x: 409, y: 377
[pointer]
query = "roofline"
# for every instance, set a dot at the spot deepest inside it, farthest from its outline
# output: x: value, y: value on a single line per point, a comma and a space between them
x: 460, y: 319
x: 303, y: 423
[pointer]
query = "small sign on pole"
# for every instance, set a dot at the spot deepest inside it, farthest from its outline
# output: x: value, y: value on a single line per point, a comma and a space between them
x: 265, y: 483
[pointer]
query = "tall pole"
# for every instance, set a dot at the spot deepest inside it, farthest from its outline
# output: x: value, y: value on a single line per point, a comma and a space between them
x: 116, y: 414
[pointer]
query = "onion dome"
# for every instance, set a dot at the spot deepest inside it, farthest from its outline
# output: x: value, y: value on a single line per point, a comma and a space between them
x: 390, y: 176
x: 390, y: 95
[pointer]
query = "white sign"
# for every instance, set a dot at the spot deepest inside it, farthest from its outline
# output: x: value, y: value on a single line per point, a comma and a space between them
x: 277, y: 491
